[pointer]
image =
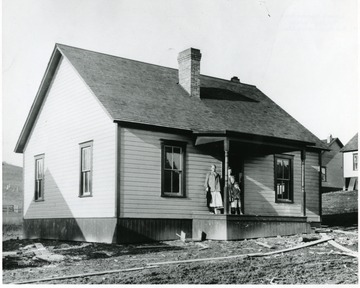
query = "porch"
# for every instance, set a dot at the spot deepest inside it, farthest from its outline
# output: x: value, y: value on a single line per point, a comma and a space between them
x: 232, y: 148
x: 237, y: 227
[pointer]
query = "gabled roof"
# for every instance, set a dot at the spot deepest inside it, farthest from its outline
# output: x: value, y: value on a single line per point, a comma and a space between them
x: 142, y: 93
x: 352, y: 145
x: 333, y: 140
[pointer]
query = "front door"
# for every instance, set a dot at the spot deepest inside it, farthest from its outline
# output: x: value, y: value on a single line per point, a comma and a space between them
x: 236, y: 162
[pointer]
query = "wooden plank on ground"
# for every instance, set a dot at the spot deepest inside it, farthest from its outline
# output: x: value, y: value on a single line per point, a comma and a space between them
x: 84, y: 275
x: 345, y: 232
x: 346, y: 250
x: 324, y: 239
x: 264, y: 245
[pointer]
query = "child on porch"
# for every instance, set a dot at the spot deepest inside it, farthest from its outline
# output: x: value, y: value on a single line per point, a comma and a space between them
x: 234, y: 195
x: 212, y: 185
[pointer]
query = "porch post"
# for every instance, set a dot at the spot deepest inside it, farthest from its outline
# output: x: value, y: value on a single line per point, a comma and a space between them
x: 303, y: 192
x: 226, y: 166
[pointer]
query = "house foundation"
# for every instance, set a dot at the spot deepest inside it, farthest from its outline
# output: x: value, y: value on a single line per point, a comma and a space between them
x: 137, y: 230
x: 237, y: 227
x: 101, y: 230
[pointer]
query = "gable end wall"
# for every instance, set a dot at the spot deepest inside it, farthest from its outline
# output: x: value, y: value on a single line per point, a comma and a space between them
x: 348, y: 164
x: 70, y: 115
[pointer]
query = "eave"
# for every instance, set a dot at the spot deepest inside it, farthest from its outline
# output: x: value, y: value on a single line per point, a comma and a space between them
x: 214, y: 136
x: 151, y: 127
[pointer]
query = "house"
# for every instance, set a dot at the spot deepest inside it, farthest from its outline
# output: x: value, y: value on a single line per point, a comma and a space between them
x: 350, y: 163
x: 116, y: 150
x: 331, y: 165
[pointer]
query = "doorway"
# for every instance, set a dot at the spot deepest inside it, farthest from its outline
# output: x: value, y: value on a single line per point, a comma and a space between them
x: 236, y: 162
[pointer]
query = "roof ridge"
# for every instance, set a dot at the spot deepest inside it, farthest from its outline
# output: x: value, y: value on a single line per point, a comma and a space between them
x: 110, y: 55
x: 147, y: 63
x: 228, y: 81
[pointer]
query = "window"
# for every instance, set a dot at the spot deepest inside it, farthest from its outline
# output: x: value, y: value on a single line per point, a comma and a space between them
x: 284, y: 178
x: 173, y: 169
x: 323, y: 173
x: 86, y: 168
x: 39, y: 177
x: 355, y: 161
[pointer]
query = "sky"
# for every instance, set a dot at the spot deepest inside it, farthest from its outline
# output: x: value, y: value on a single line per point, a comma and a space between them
x: 303, y: 54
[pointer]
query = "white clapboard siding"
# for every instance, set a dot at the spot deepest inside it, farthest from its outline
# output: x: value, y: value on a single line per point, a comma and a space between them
x: 140, y: 179
x: 259, y: 194
x: 312, y: 182
x: 70, y: 115
x: 348, y: 158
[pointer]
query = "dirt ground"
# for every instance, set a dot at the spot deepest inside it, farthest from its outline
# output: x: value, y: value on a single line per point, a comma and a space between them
x: 318, y: 264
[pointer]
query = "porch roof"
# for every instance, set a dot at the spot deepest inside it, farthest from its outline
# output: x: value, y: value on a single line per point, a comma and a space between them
x: 245, y: 138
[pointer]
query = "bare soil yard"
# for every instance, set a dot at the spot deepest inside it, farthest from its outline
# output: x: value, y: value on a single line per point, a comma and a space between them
x: 318, y: 264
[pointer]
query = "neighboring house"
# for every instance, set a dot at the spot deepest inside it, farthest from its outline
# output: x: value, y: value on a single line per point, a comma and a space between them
x: 116, y: 150
x: 350, y: 163
x: 331, y: 165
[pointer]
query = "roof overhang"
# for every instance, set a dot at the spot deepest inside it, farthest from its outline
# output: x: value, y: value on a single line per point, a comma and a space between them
x: 349, y: 150
x: 40, y: 96
x: 151, y: 127
x: 208, y: 137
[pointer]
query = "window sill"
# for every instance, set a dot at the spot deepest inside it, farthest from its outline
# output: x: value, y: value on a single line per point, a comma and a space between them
x: 85, y: 196
x: 172, y: 196
x: 285, y: 201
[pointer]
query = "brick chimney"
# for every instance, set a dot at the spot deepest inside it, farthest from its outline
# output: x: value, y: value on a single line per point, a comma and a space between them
x: 329, y: 138
x: 189, y: 71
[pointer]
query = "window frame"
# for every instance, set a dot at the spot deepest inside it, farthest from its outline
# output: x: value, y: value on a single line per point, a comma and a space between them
x: 355, y: 155
x: 83, y: 145
x: 291, y: 180
x: 36, y: 194
x: 325, y: 173
x: 182, y: 146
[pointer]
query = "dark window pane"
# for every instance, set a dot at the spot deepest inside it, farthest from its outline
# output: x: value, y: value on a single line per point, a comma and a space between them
x: 286, y: 190
x: 176, y: 159
x: 40, y: 184
x: 176, y: 182
x: 37, y: 187
x: 167, y: 181
x: 283, y: 190
x: 90, y: 181
x: 168, y: 157
x: 286, y: 168
x: 279, y: 169
x: 280, y: 189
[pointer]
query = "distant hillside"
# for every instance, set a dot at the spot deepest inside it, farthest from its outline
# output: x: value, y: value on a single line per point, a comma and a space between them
x: 12, y: 184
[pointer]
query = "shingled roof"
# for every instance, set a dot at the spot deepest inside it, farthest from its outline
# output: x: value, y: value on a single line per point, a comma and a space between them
x: 352, y: 145
x: 143, y: 93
